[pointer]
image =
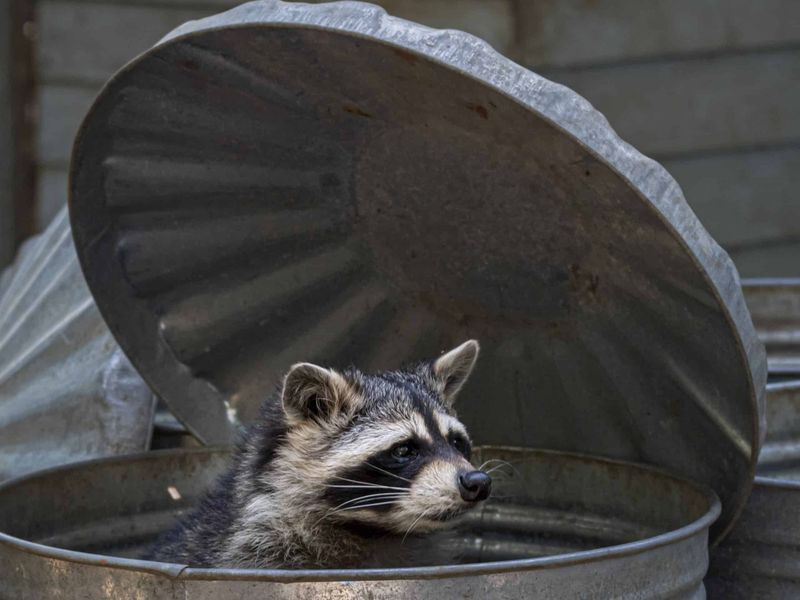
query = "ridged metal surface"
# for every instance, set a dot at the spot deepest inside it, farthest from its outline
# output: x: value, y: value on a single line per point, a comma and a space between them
x: 780, y: 455
x: 564, y: 526
x: 325, y: 182
x: 67, y: 392
x: 775, y: 307
x: 761, y: 556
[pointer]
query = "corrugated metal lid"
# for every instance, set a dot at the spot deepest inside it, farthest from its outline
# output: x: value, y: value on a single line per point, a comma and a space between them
x: 290, y: 182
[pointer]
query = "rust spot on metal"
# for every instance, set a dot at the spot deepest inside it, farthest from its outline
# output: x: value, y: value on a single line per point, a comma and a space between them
x: 407, y: 56
x: 584, y: 281
x: 354, y: 110
x: 594, y: 283
x: 480, y: 109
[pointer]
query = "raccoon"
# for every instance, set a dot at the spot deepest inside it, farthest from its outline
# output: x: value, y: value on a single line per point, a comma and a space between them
x: 341, y: 468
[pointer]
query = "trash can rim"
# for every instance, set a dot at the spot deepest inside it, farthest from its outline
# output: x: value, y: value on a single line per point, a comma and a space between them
x: 187, y: 572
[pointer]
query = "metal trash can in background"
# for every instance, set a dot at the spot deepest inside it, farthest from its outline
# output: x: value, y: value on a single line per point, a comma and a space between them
x: 775, y: 307
x: 761, y: 556
x: 325, y: 182
x: 67, y: 392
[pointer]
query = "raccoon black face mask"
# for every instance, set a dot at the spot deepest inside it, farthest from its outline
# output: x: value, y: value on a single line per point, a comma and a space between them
x: 339, y: 465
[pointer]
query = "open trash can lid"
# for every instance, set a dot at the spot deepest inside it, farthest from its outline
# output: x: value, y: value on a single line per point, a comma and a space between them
x: 289, y: 182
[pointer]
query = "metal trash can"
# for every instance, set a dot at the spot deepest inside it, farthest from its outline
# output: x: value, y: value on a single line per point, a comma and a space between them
x: 67, y: 392
x: 761, y: 556
x: 775, y: 307
x: 326, y: 182
x: 567, y: 526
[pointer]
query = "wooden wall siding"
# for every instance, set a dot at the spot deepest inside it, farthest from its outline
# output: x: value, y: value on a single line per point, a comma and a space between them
x: 6, y: 139
x: 708, y: 87
x: 755, y: 191
x: 17, y: 175
x: 591, y: 32
x: 82, y: 43
x: 690, y: 106
x: 778, y: 259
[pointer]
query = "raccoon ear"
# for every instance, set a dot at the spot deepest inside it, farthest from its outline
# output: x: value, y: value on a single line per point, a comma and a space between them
x: 453, y: 368
x: 312, y: 392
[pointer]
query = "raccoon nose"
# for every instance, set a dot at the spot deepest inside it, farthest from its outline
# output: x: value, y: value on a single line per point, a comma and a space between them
x: 474, y: 486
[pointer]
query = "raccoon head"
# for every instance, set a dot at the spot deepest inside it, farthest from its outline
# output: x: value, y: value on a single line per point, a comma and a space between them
x: 383, y: 451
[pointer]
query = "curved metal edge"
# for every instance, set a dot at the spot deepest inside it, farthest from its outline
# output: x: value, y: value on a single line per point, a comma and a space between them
x: 777, y: 483
x: 759, y: 560
x: 789, y: 385
x: 771, y: 281
x: 583, y: 123
x: 777, y: 389
x: 185, y: 572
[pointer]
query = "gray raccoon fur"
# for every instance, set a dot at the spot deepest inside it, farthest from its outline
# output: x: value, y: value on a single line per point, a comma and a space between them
x: 304, y: 486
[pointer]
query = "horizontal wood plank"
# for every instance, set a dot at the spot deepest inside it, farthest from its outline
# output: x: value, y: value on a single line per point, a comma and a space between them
x: 733, y: 101
x: 573, y: 32
x: 775, y: 260
x: 51, y: 194
x: 745, y: 200
x: 61, y: 111
x: 88, y: 41
x: 724, y: 121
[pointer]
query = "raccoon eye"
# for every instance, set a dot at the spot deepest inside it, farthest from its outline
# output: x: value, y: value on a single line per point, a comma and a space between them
x: 404, y: 451
x: 460, y: 444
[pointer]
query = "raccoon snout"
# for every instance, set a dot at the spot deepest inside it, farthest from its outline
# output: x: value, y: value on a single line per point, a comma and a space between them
x: 474, y: 486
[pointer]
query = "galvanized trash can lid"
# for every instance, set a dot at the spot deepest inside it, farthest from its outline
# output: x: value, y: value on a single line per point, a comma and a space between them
x: 326, y: 182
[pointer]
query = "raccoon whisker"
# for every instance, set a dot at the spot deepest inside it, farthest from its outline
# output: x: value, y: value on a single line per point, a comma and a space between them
x: 364, y: 484
x: 507, y: 464
x: 357, y: 506
x: 490, y: 461
x: 388, y: 472
x: 367, y: 505
x: 422, y: 514
x: 496, y: 468
x: 503, y: 463
x: 367, y: 488
x: 371, y: 497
